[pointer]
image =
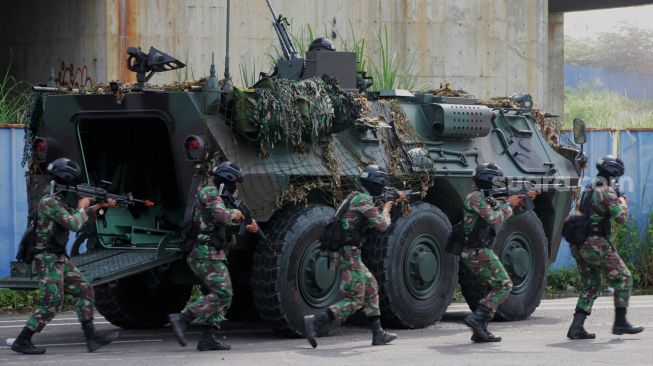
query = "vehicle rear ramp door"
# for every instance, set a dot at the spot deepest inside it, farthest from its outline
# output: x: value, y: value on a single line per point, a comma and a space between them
x: 98, y: 267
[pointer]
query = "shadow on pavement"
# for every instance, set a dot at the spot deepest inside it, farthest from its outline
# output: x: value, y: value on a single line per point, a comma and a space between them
x: 586, y: 345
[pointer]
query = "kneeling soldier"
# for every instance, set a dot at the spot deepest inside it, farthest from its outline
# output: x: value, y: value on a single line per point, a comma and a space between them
x: 57, y: 214
x: 358, y: 284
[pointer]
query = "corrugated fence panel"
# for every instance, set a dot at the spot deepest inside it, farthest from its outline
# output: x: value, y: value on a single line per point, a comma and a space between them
x: 631, y: 84
x: 636, y: 149
x: 13, y: 195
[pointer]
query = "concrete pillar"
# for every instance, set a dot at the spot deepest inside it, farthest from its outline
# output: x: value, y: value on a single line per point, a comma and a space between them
x: 556, y: 62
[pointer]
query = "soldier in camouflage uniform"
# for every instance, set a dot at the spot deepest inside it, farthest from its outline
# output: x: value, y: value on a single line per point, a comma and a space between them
x: 207, y: 257
x: 480, y: 219
x: 358, y: 284
x: 57, y: 213
x: 597, y: 256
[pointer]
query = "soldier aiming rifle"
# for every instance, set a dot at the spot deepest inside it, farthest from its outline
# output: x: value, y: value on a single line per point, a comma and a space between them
x: 63, y: 209
x: 343, y: 238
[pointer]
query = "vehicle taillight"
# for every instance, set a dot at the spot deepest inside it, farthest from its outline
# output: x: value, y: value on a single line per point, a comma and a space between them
x: 194, y: 148
x: 40, y: 149
x: 193, y: 144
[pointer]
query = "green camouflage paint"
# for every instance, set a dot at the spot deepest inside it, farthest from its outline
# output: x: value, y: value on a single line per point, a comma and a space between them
x: 481, y: 260
x: 58, y: 276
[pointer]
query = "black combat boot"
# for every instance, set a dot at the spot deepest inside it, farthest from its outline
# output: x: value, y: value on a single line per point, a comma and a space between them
x: 179, y: 323
x: 491, y: 337
x: 379, y: 336
x: 312, y: 324
x: 621, y: 325
x: 209, y: 340
x: 94, y: 339
x: 23, y: 343
x: 478, y: 322
x: 577, y: 328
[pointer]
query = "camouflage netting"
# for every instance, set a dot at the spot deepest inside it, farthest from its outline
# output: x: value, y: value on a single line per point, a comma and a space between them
x: 382, y: 119
x: 31, y: 120
x: 280, y: 111
x: 447, y: 90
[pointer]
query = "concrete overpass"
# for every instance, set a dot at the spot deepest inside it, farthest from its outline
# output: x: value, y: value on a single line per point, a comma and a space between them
x: 557, y: 6
x: 487, y: 47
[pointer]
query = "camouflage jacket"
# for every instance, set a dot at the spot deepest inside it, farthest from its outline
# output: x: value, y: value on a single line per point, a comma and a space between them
x: 53, y: 222
x: 476, y: 206
x: 210, y: 212
x: 362, y: 208
x: 606, y: 202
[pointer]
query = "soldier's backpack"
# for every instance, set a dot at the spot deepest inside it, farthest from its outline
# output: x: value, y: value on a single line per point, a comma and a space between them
x: 456, y: 240
x: 480, y: 235
x: 577, y: 226
x: 333, y: 237
x: 189, y: 232
x: 27, y: 242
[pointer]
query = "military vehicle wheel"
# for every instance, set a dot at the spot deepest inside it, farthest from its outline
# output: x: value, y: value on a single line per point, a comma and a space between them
x: 130, y: 303
x: 297, y: 280
x: 522, y: 248
x: 416, y: 276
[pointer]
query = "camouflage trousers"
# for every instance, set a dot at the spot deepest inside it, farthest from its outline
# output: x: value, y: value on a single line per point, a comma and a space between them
x: 210, y: 266
x: 58, y: 275
x: 597, y: 258
x: 489, y: 270
x: 358, y: 285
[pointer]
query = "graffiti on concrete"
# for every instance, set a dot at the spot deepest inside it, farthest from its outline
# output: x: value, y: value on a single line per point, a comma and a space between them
x: 75, y: 77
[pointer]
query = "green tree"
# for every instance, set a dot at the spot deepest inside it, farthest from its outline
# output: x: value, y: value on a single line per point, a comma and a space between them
x: 628, y: 48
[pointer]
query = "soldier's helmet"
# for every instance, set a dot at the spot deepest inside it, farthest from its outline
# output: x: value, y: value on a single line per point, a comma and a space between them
x: 485, y: 173
x: 230, y: 172
x: 610, y: 166
x: 322, y: 44
x: 64, y: 171
x: 374, y: 178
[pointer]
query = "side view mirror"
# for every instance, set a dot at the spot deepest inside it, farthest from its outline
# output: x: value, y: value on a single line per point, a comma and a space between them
x: 580, y: 133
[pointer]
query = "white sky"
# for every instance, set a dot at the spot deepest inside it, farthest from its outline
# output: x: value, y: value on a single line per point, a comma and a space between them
x: 589, y: 23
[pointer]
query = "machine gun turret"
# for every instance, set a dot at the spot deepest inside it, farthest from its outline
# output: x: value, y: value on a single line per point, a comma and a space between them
x: 280, y: 23
x: 145, y: 65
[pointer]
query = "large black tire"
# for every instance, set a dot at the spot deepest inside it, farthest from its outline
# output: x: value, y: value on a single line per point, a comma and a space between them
x: 129, y: 302
x: 294, y: 280
x: 416, y: 276
x: 522, y: 248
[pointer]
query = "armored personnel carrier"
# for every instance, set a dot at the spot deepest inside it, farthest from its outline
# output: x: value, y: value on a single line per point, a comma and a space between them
x: 302, y: 135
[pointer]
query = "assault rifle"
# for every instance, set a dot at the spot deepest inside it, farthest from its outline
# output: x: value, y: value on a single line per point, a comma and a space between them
x: 392, y: 194
x: 242, y: 207
x: 520, y: 188
x: 99, y: 194
x: 280, y: 23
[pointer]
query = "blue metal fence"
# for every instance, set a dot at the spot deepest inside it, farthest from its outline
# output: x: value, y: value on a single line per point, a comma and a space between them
x: 630, y: 84
x: 634, y: 146
x: 13, y: 195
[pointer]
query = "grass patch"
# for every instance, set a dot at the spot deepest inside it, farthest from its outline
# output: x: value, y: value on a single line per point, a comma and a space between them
x: 27, y: 301
x: 559, y: 280
x: 14, y: 99
x: 11, y: 300
x: 391, y: 70
x: 606, y: 109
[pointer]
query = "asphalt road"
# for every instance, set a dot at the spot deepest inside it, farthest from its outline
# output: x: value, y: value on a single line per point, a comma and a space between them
x: 539, y: 340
